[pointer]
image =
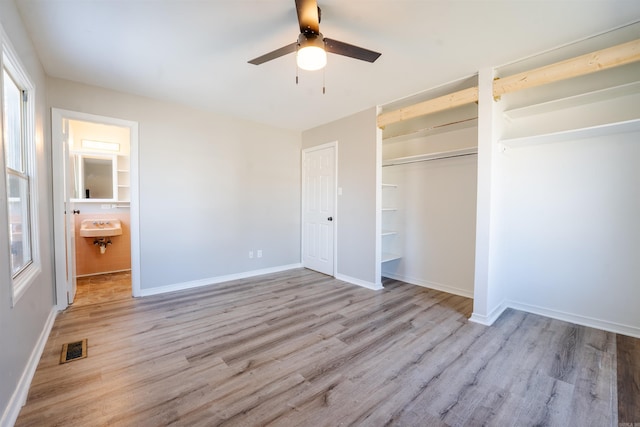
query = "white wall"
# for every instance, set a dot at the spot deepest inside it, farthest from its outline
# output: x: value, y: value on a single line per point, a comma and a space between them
x: 571, y: 236
x: 212, y: 187
x: 22, y: 326
x: 357, y: 234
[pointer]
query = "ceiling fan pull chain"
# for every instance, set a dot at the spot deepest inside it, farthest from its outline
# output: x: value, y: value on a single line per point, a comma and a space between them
x: 324, y: 73
x: 297, y: 68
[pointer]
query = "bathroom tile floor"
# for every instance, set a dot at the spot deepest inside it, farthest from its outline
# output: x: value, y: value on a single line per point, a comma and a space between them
x: 103, y: 288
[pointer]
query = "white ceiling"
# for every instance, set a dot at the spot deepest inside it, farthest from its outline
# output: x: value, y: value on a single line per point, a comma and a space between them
x: 196, y: 52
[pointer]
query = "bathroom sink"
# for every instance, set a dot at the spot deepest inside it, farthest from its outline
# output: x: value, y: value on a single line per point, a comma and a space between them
x: 100, y: 227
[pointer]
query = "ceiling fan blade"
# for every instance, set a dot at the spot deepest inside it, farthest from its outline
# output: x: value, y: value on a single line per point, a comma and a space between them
x: 345, y: 49
x: 275, y: 54
x: 308, y: 16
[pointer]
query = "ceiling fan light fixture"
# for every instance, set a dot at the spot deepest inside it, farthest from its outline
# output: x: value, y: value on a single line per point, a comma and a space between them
x: 311, y: 55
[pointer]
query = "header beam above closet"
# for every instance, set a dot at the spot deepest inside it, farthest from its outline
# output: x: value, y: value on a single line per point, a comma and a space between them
x: 446, y: 102
x: 611, y: 57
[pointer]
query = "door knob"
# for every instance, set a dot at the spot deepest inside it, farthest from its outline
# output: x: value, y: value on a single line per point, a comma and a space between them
x: 76, y: 212
x: 330, y: 218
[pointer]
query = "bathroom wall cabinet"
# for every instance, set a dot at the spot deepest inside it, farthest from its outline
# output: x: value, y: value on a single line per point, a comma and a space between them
x: 101, y: 177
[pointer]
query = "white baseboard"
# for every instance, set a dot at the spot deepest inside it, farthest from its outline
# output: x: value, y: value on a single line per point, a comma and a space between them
x: 490, y: 318
x: 577, y: 319
x: 19, y: 396
x: 359, y: 282
x: 430, y: 285
x: 214, y: 280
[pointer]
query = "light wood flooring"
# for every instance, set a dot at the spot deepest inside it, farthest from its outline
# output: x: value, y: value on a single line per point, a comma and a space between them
x: 302, y: 349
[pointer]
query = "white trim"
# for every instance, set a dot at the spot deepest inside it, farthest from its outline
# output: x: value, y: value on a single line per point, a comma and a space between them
x: 431, y: 285
x: 578, y: 319
x: 378, y: 220
x: 352, y: 280
x: 215, y: 280
x: 19, y: 396
x: 491, y: 317
x: 334, y: 145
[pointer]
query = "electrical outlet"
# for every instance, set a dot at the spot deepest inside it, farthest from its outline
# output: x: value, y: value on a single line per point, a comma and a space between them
x: 250, y: 254
x: 259, y: 253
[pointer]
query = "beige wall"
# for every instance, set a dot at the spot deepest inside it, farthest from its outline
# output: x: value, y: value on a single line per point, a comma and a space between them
x: 357, y: 169
x: 212, y: 187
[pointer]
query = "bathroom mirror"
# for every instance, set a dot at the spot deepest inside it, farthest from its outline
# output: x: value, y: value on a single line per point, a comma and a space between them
x: 94, y: 177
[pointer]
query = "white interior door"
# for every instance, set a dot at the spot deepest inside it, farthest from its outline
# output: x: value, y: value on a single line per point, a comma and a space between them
x: 319, y: 198
x: 70, y: 211
x: 63, y: 211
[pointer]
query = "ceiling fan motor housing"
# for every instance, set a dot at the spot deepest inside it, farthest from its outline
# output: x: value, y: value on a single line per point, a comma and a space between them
x: 310, y: 39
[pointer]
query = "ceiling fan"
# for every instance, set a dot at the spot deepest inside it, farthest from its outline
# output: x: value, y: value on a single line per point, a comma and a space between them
x: 312, y: 46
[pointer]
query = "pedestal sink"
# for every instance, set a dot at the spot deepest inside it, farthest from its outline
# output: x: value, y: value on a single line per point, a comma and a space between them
x: 100, y: 228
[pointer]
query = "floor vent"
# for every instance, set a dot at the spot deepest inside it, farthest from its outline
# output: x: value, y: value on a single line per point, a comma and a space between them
x: 73, y: 351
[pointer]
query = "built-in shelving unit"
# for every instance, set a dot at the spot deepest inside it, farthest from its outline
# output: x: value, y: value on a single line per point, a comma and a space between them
x: 124, y: 179
x: 389, y: 234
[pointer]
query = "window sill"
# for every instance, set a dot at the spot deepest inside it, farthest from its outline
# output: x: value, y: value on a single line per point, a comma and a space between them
x: 24, y: 281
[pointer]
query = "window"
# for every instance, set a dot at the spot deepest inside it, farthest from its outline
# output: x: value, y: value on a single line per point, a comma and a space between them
x: 19, y: 154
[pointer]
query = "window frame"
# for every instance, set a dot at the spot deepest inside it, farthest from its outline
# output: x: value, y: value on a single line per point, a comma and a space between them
x: 10, y: 62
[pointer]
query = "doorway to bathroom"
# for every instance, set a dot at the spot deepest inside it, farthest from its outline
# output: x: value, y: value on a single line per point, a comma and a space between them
x: 95, y: 191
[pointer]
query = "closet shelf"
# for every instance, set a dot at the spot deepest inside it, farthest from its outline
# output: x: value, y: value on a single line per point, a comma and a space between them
x: 386, y: 257
x: 574, y: 101
x: 572, y: 134
x: 433, y: 130
x: 431, y: 156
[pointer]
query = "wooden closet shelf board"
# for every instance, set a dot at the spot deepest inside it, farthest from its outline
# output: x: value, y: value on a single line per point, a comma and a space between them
x: 575, y: 134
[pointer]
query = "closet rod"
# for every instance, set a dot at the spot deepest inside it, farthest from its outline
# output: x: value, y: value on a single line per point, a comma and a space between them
x: 444, y: 156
